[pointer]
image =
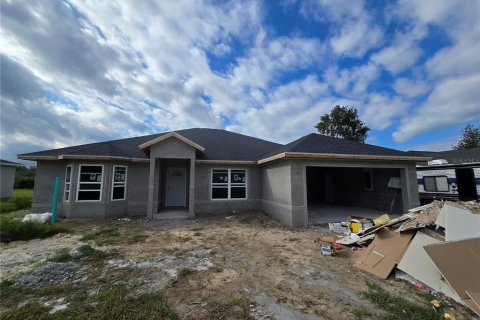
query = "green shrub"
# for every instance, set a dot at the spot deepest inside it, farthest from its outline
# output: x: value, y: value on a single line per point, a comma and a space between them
x: 21, y: 199
x: 22, y: 202
x: 12, y: 229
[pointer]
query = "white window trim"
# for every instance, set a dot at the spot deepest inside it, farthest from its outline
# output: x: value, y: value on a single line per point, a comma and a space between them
x: 101, y: 182
x: 69, y: 184
x: 229, y: 184
x: 124, y: 183
x: 370, y: 172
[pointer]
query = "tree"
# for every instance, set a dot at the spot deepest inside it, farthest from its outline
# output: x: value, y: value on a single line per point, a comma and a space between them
x: 343, y: 122
x: 470, y: 138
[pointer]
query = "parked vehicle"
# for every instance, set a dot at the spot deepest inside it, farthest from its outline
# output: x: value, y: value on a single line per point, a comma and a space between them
x: 443, y: 181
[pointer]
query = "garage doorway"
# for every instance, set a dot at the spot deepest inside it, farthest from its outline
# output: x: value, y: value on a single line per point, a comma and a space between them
x: 335, y: 193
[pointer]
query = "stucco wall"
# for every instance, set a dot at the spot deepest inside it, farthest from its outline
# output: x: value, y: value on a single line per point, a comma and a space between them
x: 7, y: 179
x: 136, y: 193
x: 205, y: 205
x: 277, y: 191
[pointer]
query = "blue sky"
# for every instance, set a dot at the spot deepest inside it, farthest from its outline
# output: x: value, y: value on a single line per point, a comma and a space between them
x: 75, y: 72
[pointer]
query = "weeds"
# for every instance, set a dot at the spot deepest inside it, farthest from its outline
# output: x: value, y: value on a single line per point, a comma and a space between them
x: 12, y: 229
x: 398, y: 308
x: 185, y: 272
x: 62, y: 256
x: 106, y: 236
x: 116, y: 303
x: 136, y: 238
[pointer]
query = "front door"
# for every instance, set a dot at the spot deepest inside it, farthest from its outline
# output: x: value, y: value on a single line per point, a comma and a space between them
x: 176, y: 187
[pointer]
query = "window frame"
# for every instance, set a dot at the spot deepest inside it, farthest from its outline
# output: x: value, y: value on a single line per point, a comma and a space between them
x: 69, y: 183
x: 435, y: 182
x: 229, y: 184
x: 101, y: 182
x: 370, y: 174
x: 124, y: 183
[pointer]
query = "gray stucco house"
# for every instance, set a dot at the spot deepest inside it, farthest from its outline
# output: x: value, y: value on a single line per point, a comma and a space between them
x: 7, y: 177
x: 208, y: 171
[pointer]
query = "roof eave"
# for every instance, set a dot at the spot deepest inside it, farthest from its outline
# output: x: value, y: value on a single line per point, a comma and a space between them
x: 306, y: 155
x: 171, y: 135
x: 79, y: 157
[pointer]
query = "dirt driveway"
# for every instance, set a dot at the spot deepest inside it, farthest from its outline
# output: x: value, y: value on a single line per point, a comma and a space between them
x: 236, y: 267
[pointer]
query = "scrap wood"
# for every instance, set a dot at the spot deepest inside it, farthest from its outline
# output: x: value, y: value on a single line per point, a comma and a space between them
x: 422, y: 216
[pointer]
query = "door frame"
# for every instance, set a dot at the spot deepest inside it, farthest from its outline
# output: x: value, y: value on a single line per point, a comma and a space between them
x: 185, y: 169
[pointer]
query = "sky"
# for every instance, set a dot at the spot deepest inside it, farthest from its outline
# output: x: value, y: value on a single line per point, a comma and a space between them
x: 75, y: 72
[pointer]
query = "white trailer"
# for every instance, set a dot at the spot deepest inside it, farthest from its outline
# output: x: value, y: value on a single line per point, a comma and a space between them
x: 443, y: 181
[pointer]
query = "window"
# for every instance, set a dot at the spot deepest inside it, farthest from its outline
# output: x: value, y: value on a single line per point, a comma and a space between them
x: 90, y: 182
x: 436, y: 184
x: 368, y: 179
x: 68, y: 180
x: 229, y: 184
x: 119, y: 182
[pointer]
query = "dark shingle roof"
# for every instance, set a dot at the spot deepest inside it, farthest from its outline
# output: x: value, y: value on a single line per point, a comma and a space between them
x: 11, y: 163
x: 452, y: 156
x: 318, y: 143
x: 218, y: 144
x: 225, y: 145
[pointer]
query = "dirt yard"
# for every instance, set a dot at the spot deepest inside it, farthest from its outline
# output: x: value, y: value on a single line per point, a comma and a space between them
x: 236, y: 267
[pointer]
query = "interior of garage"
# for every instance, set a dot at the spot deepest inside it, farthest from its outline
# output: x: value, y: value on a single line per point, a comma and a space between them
x: 335, y: 193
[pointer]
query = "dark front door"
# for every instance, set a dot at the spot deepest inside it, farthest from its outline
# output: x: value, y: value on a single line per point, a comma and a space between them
x: 467, y: 189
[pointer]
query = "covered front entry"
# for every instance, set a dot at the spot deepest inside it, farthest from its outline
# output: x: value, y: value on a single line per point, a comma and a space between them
x: 335, y: 193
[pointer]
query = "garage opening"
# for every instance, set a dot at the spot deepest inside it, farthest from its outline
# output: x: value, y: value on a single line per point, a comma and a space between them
x: 336, y: 193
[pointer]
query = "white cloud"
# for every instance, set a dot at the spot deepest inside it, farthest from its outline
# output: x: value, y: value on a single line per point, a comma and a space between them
x: 397, y: 58
x: 411, y: 88
x: 453, y: 101
x: 354, y: 29
x: 354, y: 81
x: 380, y: 110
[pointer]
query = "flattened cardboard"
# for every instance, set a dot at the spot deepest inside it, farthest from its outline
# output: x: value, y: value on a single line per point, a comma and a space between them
x: 416, y: 263
x: 386, y: 250
x: 459, y: 263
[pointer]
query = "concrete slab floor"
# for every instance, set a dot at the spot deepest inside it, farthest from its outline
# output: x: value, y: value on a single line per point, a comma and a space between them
x: 172, y: 214
x: 321, y: 213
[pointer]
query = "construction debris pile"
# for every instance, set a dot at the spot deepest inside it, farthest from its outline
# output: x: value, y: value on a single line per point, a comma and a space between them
x: 435, y: 246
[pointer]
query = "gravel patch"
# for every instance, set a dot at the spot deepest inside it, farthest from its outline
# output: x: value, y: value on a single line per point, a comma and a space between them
x: 51, y: 273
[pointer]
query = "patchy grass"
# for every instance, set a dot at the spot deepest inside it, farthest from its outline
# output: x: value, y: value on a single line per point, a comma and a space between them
x: 62, y: 256
x: 113, y: 236
x: 116, y: 303
x: 398, y: 308
x: 12, y: 229
x: 21, y: 199
x: 197, y: 234
x: 216, y: 269
x: 361, y: 313
x: 105, y: 236
x: 137, y: 237
x: 185, y: 272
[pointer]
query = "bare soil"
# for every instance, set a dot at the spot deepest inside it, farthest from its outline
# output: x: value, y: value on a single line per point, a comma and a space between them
x: 236, y: 267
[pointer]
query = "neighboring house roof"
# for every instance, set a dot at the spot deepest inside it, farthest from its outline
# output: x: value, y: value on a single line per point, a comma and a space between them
x: 470, y: 155
x: 10, y: 163
x: 222, y: 145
